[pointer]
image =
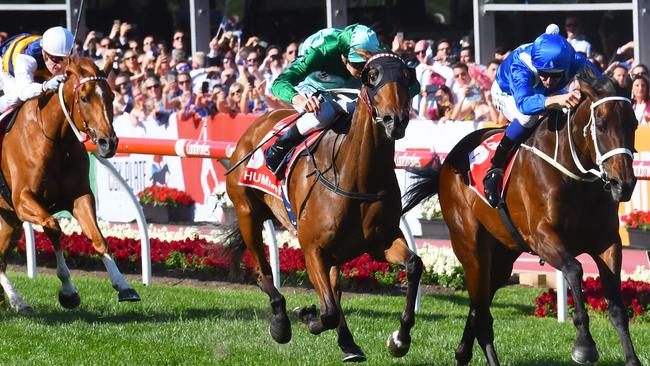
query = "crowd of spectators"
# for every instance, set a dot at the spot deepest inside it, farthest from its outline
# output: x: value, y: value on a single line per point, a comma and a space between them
x: 154, y: 81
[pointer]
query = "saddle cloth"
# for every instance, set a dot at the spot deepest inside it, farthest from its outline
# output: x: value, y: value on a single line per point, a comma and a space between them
x: 480, y: 162
x: 257, y: 175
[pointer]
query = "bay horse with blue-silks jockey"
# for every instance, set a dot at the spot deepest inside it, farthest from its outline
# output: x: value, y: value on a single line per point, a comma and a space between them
x: 46, y: 169
x: 347, y: 202
x: 562, y: 198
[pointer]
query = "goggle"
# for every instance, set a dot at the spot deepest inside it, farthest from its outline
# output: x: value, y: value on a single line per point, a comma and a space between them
x: 550, y: 74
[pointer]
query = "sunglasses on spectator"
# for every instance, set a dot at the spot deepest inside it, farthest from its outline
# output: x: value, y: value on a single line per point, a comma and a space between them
x: 233, y: 92
x: 129, y: 57
x: 121, y: 85
x: 251, y: 60
x: 421, y: 52
x: 106, y: 44
x: 640, y: 73
x: 55, y: 59
x: 153, y: 86
x: 546, y: 74
x: 178, y: 38
x: 181, y: 82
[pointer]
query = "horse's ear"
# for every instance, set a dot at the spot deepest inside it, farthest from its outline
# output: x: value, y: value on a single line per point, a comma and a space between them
x: 586, y: 78
x: 108, y: 64
x: 363, y: 53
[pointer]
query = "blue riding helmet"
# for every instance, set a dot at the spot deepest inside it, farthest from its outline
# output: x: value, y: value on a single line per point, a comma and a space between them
x: 552, y: 53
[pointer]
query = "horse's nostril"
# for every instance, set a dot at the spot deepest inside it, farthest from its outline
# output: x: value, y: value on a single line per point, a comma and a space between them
x: 387, y: 118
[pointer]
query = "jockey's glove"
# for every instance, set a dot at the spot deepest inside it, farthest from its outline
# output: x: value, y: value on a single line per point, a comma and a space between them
x: 53, y: 83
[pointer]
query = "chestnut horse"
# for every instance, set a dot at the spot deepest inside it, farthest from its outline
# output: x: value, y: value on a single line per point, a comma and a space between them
x: 358, y: 213
x: 46, y: 170
x: 562, y: 207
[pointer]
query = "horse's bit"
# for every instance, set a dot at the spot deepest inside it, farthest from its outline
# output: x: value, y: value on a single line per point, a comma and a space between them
x: 68, y: 118
x: 600, y: 158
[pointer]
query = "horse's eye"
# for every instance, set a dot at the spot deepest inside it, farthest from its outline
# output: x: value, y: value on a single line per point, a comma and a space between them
x: 84, y: 99
x: 372, y: 76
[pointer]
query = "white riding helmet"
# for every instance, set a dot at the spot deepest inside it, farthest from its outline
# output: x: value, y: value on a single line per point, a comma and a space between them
x: 57, y: 41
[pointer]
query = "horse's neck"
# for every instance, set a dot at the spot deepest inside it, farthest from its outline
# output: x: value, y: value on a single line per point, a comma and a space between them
x: 365, y: 152
x: 54, y: 123
x: 553, y: 137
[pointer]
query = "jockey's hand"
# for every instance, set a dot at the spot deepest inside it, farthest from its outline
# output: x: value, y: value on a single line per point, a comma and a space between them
x: 53, y: 83
x: 573, y: 100
x: 309, y: 105
x: 569, y: 100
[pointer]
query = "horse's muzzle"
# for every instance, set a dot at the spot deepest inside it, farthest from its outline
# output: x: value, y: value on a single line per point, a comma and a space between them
x: 621, y: 190
x: 395, y: 125
x: 107, y: 146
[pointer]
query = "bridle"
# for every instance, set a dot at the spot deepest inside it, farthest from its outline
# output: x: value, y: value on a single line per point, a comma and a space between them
x: 75, y: 97
x: 600, y: 157
x: 388, y: 74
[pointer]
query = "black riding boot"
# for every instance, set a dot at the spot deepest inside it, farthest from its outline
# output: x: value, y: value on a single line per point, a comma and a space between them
x: 494, y: 177
x: 275, y: 154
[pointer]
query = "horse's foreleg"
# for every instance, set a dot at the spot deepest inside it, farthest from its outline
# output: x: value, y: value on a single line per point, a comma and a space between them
x: 30, y: 210
x: 553, y: 252
x: 329, y: 310
x: 84, y: 211
x: 351, y: 351
x: 399, y: 253
x: 609, y: 267
x: 250, y: 228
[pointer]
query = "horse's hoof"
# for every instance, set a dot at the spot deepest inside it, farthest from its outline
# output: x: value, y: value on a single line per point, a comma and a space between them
x: 128, y: 294
x: 584, y: 354
x: 353, y: 354
x: 69, y: 301
x: 305, y: 314
x: 462, y: 359
x: 25, y: 310
x: 396, y: 347
x: 280, y: 329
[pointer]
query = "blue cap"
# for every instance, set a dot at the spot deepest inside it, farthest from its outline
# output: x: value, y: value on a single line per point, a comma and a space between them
x: 363, y: 38
x: 551, y: 52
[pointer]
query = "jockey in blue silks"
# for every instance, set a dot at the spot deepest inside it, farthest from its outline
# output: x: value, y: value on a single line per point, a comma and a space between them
x: 530, y: 81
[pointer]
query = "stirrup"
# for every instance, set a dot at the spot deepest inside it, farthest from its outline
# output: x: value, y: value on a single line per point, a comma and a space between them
x: 492, y: 186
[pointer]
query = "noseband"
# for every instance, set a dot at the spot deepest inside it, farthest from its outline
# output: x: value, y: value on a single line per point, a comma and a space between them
x: 68, y: 118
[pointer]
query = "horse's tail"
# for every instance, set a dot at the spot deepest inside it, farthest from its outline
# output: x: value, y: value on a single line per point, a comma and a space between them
x: 234, y: 244
x: 426, y: 184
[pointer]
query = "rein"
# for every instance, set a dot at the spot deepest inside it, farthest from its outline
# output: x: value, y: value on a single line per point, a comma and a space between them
x: 68, y: 118
x: 600, y: 158
x: 372, y: 111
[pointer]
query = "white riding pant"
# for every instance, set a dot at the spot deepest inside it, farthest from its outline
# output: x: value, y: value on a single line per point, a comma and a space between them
x: 330, y: 107
x: 505, y: 103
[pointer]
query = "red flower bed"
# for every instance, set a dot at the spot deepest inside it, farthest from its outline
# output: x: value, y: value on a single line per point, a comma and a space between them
x: 636, y: 298
x: 199, y: 254
x: 164, y: 196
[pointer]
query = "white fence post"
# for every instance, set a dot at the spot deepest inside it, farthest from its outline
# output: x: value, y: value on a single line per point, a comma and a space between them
x: 145, y: 248
x: 274, y: 253
x: 30, y: 249
x: 562, y: 304
x: 406, y: 229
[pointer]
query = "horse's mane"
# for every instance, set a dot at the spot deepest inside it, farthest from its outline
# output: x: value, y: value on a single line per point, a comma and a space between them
x: 82, y: 66
x: 601, y: 84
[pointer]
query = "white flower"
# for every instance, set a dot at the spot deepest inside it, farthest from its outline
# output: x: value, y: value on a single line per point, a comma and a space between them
x: 430, y: 208
x: 222, y: 197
